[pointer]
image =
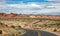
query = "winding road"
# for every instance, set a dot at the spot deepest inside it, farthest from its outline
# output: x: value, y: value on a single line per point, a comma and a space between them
x: 37, y: 33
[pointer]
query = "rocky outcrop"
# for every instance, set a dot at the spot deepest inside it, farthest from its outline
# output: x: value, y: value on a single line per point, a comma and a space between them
x: 14, y: 15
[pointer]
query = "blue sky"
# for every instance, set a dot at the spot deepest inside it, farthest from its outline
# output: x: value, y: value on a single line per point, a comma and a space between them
x: 51, y: 7
x: 24, y: 1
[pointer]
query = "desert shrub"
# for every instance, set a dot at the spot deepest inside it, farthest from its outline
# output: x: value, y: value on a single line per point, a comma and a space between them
x: 55, y: 30
x: 19, y: 26
x: 0, y: 31
x: 9, y: 34
x: 13, y: 26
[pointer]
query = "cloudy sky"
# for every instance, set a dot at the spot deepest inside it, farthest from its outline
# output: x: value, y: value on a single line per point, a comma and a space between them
x: 51, y: 7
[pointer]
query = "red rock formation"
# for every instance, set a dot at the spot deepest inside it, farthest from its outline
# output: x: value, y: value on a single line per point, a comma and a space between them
x: 2, y: 15
x: 23, y: 16
x: 11, y: 15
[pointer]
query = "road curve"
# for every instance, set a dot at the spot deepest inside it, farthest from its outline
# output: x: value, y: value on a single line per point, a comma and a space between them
x: 35, y: 33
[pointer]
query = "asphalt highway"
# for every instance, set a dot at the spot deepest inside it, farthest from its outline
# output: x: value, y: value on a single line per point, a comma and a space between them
x: 37, y: 33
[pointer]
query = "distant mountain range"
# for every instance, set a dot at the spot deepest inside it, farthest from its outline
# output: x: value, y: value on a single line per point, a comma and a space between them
x: 15, y: 15
x: 51, y: 13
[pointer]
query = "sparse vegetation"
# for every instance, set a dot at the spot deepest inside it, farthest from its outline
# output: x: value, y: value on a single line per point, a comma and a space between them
x: 55, y: 30
x: 0, y: 31
x: 42, y: 23
x: 13, y: 26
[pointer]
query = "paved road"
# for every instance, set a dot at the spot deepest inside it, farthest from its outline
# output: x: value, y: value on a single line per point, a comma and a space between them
x: 35, y: 33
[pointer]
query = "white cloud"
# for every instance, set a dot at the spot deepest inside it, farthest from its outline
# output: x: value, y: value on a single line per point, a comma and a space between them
x: 29, y: 5
x: 31, y: 8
